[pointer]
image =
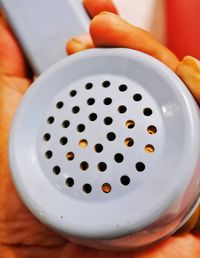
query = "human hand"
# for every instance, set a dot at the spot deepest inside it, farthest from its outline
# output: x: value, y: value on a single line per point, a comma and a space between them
x: 109, y: 30
x: 21, y: 235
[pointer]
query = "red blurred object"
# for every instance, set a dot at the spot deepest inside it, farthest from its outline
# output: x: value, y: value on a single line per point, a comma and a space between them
x: 183, y: 27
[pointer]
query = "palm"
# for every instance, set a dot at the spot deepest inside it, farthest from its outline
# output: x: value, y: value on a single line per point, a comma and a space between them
x: 21, y: 234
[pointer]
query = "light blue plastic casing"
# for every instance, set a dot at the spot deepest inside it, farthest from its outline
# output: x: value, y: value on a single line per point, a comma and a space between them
x: 105, y: 149
x: 44, y: 26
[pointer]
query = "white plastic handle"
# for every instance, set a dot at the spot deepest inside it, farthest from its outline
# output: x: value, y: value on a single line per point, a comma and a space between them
x: 43, y: 27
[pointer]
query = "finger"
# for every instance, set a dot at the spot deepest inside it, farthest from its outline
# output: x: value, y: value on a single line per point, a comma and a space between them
x: 12, y: 61
x: 83, y: 42
x: 79, y: 43
x: 97, y: 6
x: 110, y: 30
x: 7, y: 251
x: 189, y: 71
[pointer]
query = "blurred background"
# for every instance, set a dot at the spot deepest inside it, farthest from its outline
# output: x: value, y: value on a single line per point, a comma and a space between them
x: 176, y: 23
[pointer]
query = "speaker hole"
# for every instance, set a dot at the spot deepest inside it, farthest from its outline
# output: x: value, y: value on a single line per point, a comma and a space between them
x: 56, y: 170
x: 46, y: 137
x: 106, y: 188
x: 125, y: 180
x: 107, y: 101
x: 98, y: 147
x: 152, y: 129
x: 48, y: 154
x: 118, y: 157
x: 88, y: 86
x: 84, y: 165
x: 83, y: 143
x: 80, y: 128
x: 70, y: 156
x: 106, y: 84
x: 102, y: 166
x: 137, y: 97
x: 63, y: 140
x: 60, y: 104
x: 87, y: 188
x: 75, y: 109
x: 149, y: 148
x: 147, y: 112
x: 130, y: 124
x: 90, y: 101
x: 50, y: 120
x: 69, y: 181
x: 140, y: 166
x: 122, y: 109
x: 129, y: 142
x: 111, y: 136
x: 73, y: 93
x: 65, y: 124
x: 108, y: 120
x: 93, y: 117
x: 123, y: 87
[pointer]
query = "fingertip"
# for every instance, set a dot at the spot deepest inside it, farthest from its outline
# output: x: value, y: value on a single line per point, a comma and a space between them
x: 74, y: 46
x: 97, y: 6
x: 189, y: 72
x: 78, y: 44
x: 102, y: 29
x: 193, y: 62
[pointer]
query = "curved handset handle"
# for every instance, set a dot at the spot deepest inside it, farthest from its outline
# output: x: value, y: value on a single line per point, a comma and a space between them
x: 43, y: 27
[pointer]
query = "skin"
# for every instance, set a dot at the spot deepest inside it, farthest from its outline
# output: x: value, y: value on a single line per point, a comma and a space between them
x: 21, y: 234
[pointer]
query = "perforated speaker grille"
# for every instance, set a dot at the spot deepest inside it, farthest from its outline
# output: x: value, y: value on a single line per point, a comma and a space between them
x: 98, y: 136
